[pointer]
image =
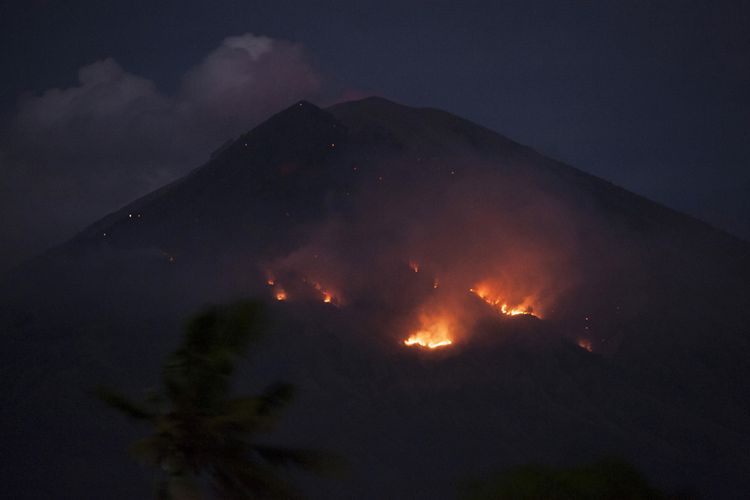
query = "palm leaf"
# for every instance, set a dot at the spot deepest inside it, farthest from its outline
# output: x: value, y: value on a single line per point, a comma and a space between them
x: 319, y: 462
x: 240, y: 480
x: 121, y: 403
x: 199, y: 430
x: 150, y: 450
x: 276, y: 397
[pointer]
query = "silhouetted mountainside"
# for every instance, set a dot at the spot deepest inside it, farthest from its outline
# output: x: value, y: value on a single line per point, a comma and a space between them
x: 363, y: 225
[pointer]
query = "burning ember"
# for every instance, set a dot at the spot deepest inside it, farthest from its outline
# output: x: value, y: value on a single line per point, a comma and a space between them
x: 585, y: 344
x: 328, y: 297
x: 484, y: 293
x: 280, y: 294
x: 270, y: 278
x: 414, y: 266
x: 433, y: 334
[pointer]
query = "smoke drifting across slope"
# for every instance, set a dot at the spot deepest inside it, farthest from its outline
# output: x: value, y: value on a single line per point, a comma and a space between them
x: 417, y: 237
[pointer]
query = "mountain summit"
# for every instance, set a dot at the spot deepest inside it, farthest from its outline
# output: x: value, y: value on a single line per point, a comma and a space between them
x: 448, y: 301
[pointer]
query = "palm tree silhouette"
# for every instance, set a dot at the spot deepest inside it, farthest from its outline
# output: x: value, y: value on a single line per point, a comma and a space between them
x: 201, y: 434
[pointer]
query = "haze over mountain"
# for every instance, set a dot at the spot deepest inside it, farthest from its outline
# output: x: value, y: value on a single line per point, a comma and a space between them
x: 583, y: 320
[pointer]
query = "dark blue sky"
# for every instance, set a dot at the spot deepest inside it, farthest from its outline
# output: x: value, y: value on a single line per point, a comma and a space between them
x: 654, y: 96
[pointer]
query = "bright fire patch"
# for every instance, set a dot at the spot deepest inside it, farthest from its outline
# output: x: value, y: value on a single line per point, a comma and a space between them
x: 501, y: 305
x: 433, y: 334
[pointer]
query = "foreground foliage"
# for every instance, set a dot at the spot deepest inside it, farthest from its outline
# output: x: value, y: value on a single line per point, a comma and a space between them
x: 203, y: 435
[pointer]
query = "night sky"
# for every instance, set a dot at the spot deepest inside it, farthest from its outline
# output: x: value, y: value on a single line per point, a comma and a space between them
x: 653, y: 96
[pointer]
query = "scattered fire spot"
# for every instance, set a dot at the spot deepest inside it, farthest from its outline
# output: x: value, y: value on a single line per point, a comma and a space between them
x: 414, y: 266
x: 435, y: 283
x: 280, y: 294
x: 328, y: 297
x: 585, y: 344
x: 270, y: 278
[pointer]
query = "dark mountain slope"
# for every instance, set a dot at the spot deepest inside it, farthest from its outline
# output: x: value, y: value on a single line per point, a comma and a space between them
x: 343, y: 202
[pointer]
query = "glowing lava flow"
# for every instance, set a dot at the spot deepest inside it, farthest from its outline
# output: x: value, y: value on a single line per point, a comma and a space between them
x: 432, y: 335
x: 502, y: 307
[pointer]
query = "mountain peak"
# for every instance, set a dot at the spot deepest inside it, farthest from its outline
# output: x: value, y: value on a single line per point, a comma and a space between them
x: 424, y: 130
x: 370, y: 228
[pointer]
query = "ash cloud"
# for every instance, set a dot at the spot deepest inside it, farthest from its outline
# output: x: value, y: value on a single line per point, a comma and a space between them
x: 71, y: 155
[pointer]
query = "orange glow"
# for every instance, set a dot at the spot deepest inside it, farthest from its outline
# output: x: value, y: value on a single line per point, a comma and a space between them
x: 434, y: 333
x: 270, y: 278
x: 514, y: 311
x: 280, y: 294
x: 497, y: 302
x: 414, y: 266
x: 328, y: 297
x: 585, y: 344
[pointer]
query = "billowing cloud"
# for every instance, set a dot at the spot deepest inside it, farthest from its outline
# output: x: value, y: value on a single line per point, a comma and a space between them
x: 71, y: 155
x: 246, y: 76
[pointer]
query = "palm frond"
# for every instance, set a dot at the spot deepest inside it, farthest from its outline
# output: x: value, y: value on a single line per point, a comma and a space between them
x: 121, y: 403
x: 199, y: 429
x: 198, y: 372
x: 276, y: 397
x: 319, y: 462
x: 150, y: 450
x: 240, y: 480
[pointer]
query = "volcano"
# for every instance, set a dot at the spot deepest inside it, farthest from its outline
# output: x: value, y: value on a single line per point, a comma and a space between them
x: 448, y: 302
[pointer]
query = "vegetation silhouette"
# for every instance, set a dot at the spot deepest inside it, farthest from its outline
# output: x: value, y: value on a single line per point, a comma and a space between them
x: 607, y: 479
x: 202, y: 435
